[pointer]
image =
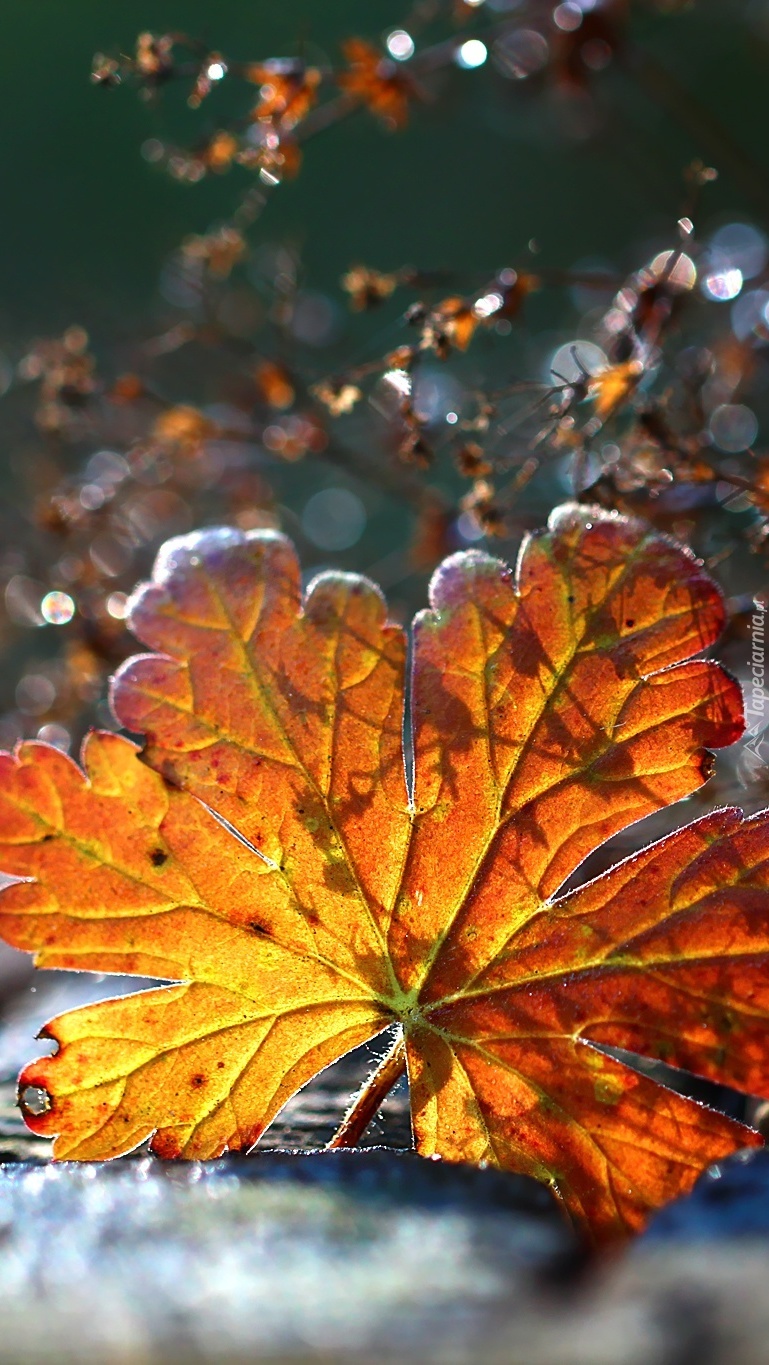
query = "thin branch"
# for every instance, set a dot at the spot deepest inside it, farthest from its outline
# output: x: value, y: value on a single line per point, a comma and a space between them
x: 367, y: 1102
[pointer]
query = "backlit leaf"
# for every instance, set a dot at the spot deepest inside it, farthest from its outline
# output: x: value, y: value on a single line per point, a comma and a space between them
x: 375, y: 81
x: 268, y: 853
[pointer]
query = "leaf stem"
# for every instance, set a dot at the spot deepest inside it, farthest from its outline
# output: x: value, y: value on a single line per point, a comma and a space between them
x: 370, y: 1097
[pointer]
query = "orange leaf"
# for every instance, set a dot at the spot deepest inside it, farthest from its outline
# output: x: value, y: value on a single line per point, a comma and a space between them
x: 612, y: 386
x: 183, y: 428
x: 288, y: 91
x: 451, y: 323
x: 376, y: 81
x: 132, y: 876
x: 263, y: 852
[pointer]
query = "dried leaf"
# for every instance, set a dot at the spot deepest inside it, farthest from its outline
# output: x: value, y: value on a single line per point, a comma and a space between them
x: 550, y: 709
x: 274, y: 384
x: 288, y: 91
x: 481, y: 503
x: 154, y: 57
x: 338, y: 396
x: 219, y: 152
x: 275, y: 157
x: 367, y: 287
x: 612, y: 387
x: 183, y: 428
x: 219, y: 251
x: 377, y: 82
x: 452, y: 324
x: 471, y: 461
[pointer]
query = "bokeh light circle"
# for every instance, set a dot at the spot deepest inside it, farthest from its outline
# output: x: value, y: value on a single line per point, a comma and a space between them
x: 573, y: 360
x: 743, y: 246
x: 334, y: 519
x: 733, y: 427
x: 57, y: 608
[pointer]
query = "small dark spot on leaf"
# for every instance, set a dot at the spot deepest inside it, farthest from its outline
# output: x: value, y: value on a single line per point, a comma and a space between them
x: 47, y: 837
x: 630, y: 622
x: 158, y: 857
x: 197, y: 1080
x: 257, y: 928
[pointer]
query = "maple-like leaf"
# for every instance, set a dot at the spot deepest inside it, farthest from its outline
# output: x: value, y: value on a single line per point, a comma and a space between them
x: 267, y: 852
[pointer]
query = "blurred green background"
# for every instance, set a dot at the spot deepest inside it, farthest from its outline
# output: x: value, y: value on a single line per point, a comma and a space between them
x: 87, y: 223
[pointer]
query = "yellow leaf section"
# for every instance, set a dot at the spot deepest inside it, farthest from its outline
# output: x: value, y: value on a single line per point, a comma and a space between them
x: 612, y: 387
x: 133, y: 876
x: 283, y: 716
x: 196, y: 1068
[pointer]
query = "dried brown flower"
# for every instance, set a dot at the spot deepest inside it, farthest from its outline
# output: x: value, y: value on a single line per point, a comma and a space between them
x: 482, y: 506
x: 288, y: 91
x: 377, y: 82
x: 471, y: 461
x: 338, y: 396
x: 368, y: 288
x: 220, y: 250
x: 274, y: 384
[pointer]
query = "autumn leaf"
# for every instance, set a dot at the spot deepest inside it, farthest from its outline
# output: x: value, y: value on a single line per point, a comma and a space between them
x: 288, y: 91
x: 612, y: 386
x: 372, y: 79
x: 267, y: 853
